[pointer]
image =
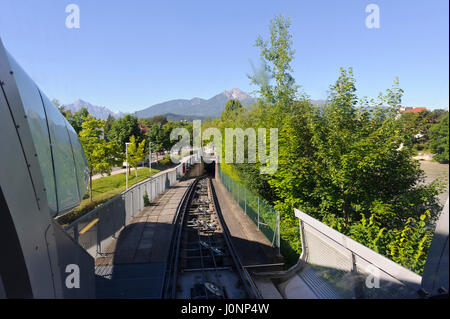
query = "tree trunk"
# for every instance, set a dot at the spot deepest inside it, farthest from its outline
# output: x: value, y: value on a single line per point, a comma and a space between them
x: 136, y: 174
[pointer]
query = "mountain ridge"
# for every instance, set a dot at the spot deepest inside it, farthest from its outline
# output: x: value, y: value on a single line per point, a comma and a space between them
x: 99, y: 112
x: 176, y: 109
x: 212, y: 107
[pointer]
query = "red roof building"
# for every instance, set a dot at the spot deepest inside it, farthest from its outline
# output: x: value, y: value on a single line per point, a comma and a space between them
x: 412, y: 109
x: 143, y: 128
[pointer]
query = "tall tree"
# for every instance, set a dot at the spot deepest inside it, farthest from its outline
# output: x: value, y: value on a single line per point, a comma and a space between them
x: 232, y: 105
x: 439, y: 140
x: 123, y: 128
x: 100, y: 154
x: 108, y: 124
x: 277, y: 55
x: 78, y: 118
x: 136, y: 153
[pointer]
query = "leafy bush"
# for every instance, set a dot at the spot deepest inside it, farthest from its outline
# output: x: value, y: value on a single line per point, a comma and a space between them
x: 146, y: 199
x: 166, y: 161
x: 440, y: 140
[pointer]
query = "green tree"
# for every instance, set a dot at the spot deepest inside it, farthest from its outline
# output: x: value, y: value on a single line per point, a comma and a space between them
x: 78, y: 118
x: 136, y: 153
x: 156, y: 137
x: 122, y: 129
x: 100, y: 154
x: 155, y: 119
x: 66, y: 113
x: 347, y: 158
x: 439, y: 140
x: 232, y: 105
x: 277, y: 55
x: 108, y: 124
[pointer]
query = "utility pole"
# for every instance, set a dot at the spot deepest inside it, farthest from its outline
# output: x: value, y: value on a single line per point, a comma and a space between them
x: 126, y: 152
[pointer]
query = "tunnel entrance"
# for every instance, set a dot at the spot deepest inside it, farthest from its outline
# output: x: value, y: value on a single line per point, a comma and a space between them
x: 211, y: 169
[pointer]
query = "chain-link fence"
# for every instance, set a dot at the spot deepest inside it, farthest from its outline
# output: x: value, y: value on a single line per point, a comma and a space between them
x: 265, y: 217
x: 95, y: 230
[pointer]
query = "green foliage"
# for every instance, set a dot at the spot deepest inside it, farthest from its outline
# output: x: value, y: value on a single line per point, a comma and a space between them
x: 439, y: 137
x: 136, y: 153
x: 277, y: 55
x: 146, y: 199
x: 232, y: 105
x: 161, y: 119
x: 347, y: 163
x: 406, y: 245
x: 100, y: 154
x: 410, y: 245
x: 77, y: 119
x: 166, y: 161
x: 108, y: 124
x: 417, y: 128
x: 159, y: 135
x: 122, y: 129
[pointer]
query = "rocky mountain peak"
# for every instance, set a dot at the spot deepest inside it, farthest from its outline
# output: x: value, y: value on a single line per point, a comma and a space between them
x: 236, y: 94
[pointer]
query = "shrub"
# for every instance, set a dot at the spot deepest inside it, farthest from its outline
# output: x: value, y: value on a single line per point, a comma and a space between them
x: 146, y: 200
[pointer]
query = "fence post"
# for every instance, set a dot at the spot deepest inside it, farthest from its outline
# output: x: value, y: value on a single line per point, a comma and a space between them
x: 279, y: 235
x: 132, y: 204
x: 99, y: 238
x: 245, y: 200
x: 258, y: 212
x: 238, y: 194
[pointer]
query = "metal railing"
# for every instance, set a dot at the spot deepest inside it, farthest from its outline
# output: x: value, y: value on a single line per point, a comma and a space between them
x: 95, y: 230
x: 265, y: 217
x: 336, y: 266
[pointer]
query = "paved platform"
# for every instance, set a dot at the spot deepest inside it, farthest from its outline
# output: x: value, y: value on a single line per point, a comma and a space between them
x: 252, y: 246
x: 134, y: 264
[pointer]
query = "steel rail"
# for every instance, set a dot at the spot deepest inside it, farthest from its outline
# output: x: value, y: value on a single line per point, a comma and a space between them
x: 172, y: 263
x: 247, y: 281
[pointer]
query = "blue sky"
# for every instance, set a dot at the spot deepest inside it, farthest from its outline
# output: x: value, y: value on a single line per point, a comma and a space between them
x: 128, y: 55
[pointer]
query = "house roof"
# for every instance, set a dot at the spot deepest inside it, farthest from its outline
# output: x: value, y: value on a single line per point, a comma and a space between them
x: 416, y: 110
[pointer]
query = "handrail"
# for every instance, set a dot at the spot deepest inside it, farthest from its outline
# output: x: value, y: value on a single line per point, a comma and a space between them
x: 109, y: 201
x: 386, y: 265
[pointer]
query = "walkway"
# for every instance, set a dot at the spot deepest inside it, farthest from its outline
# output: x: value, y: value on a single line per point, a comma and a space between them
x: 135, y: 264
x: 252, y: 246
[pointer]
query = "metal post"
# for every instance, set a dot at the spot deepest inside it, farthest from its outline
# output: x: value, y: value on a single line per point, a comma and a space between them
x: 126, y: 152
x: 150, y: 157
x: 258, y: 212
x: 278, y: 229
x: 245, y: 200
x: 132, y: 204
x: 238, y: 194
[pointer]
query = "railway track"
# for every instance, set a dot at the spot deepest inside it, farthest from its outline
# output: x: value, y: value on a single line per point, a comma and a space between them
x: 203, y: 263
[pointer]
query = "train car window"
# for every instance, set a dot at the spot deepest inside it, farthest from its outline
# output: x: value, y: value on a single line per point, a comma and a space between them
x: 35, y: 112
x: 65, y: 171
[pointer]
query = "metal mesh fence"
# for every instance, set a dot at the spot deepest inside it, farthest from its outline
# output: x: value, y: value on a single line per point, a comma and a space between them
x: 95, y: 230
x: 265, y: 217
x: 338, y: 267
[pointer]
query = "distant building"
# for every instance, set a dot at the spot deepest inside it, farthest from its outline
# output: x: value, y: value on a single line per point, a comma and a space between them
x: 408, y: 109
x: 143, y: 128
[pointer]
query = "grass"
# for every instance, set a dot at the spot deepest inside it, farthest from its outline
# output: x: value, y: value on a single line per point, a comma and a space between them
x: 103, y: 189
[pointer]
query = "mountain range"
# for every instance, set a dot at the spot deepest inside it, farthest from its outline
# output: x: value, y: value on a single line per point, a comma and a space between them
x: 99, y: 112
x: 197, y: 107
x: 178, y: 109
